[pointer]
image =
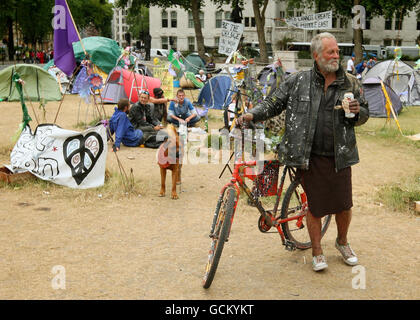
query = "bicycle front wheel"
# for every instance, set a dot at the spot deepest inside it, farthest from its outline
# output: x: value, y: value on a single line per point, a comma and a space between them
x: 220, y: 232
x: 295, y: 205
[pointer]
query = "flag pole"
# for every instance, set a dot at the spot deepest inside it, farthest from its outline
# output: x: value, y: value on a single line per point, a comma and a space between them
x: 78, y: 34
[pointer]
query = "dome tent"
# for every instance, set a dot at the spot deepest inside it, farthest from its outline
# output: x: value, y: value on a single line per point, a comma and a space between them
x: 39, y: 84
x: 400, y: 77
x: 376, y: 98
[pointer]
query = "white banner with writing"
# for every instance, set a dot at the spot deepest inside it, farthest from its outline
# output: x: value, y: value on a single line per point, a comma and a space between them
x: 315, y: 21
x: 230, y: 37
x: 69, y: 158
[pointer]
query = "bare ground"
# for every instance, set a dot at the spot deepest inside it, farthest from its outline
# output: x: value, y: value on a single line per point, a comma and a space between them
x: 146, y: 247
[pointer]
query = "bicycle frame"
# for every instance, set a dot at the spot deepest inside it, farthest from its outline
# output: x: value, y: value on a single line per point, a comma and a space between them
x: 238, y: 183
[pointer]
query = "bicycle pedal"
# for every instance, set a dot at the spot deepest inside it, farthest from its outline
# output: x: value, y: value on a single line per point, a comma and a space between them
x: 289, y: 245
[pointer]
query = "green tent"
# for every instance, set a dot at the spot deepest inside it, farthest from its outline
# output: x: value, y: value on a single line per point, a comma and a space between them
x: 194, y: 63
x: 103, y: 52
x: 38, y: 84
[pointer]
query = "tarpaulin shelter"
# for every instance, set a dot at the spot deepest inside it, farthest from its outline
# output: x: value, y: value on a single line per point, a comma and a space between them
x: 39, y: 84
x: 375, y: 96
x: 123, y: 83
x: 216, y: 92
x: 400, y: 77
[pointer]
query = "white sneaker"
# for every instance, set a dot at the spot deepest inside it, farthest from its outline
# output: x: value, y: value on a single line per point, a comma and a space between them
x: 319, y: 263
x: 348, y: 254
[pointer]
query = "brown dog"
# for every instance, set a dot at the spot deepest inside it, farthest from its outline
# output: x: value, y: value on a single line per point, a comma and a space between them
x: 170, y: 158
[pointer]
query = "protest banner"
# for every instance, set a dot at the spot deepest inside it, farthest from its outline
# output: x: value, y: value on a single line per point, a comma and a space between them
x: 315, y: 21
x: 230, y: 37
x: 166, y: 79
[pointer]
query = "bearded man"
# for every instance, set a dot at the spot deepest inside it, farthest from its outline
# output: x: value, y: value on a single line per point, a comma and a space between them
x: 319, y: 140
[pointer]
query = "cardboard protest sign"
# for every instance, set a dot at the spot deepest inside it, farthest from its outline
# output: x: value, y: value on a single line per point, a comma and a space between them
x: 230, y: 37
x: 316, y: 21
x: 167, y: 80
x: 69, y: 158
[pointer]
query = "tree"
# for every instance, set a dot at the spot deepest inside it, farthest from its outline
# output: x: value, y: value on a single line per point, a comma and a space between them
x: 259, y: 7
x: 8, y: 14
x: 190, y: 5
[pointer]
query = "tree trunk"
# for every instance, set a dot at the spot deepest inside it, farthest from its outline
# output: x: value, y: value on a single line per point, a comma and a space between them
x: 11, y: 41
x: 195, y: 9
x: 260, y: 22
x: 358, y: 39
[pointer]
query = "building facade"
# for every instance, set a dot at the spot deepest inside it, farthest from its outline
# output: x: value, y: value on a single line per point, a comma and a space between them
x: 174, y: 28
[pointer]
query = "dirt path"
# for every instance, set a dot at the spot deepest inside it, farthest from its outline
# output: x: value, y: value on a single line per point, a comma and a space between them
x: 146, y: 247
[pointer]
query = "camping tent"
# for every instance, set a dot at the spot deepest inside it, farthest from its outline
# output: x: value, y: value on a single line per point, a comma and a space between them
x: 194, y: 63
x: 215, y: 93
x: 400, y: 77
x: 376, y: 98
x: 39, y: 84
x: 103, y: 52
x: 121, y: 83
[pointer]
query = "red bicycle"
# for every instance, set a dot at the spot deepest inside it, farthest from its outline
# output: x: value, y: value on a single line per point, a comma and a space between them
x: 290, y: 222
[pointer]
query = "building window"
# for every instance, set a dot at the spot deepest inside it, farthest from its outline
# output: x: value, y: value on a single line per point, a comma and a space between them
x: 290, y: 13
x: 216, y: 41
x: 367, y: 23
x: 418, y: 21
x: 387, y: 42
x: 343, y: 23
x: 173, y: 19
x: 227, y: 15
x: 173, y: 42
x: 191, y: 21
x: 191, y: 43
x: 398, y: 24
x: 246, y: 22
x: 397, y: 42
x: 164, y: 20
x: 165, y: 42
x: 219, y: 18
x: 334, y: 22
x: 388, y: 24
x: 299, y: 13
x: 252, y: 22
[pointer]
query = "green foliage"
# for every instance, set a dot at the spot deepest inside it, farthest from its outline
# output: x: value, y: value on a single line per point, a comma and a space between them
x: 304, y: 55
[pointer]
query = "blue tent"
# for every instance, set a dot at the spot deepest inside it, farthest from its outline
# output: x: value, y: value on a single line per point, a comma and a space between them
x: 215, y: 94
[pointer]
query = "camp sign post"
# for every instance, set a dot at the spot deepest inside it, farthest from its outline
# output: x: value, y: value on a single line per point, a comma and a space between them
x: 230, y: 37
x: 316, y: 21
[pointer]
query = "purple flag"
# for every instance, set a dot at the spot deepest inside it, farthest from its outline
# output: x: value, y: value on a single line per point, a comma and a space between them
x: 64, y: 35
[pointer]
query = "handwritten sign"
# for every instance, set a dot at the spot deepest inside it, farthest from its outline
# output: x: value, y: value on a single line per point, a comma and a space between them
x: 166, y: 78
x: 230, y: 37
x: 316, y: 21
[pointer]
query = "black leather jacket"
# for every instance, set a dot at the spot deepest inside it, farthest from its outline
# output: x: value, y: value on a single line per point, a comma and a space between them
x: 300, y: 95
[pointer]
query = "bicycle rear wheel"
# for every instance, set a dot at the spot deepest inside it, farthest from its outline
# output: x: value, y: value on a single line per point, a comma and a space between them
x: 295, y: 204
x: 222, y: 223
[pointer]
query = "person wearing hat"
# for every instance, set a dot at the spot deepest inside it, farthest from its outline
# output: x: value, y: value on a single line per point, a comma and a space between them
x: 159, y: 105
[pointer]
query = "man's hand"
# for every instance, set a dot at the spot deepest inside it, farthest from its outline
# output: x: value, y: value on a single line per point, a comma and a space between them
x: 354, y: 106
x: 114, y: 148
x: 247, y: 117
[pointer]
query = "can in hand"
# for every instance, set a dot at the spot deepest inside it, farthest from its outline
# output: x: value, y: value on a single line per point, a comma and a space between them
x: 348, y: 96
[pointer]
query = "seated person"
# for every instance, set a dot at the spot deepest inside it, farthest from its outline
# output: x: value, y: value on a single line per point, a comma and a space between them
x: 182, y: 111
x: 159, y: 107
x: 360, y: 68
x: 201, y: 76
x: 142, y: 118
x: 124, y: 130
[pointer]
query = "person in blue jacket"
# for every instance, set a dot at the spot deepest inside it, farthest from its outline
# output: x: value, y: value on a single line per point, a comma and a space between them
x: 124, y: 130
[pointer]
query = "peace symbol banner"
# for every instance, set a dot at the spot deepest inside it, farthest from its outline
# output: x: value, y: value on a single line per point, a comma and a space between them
x: 69, y: 158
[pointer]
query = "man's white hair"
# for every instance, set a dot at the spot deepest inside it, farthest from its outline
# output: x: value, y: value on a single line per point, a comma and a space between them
x: 316, y: 43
